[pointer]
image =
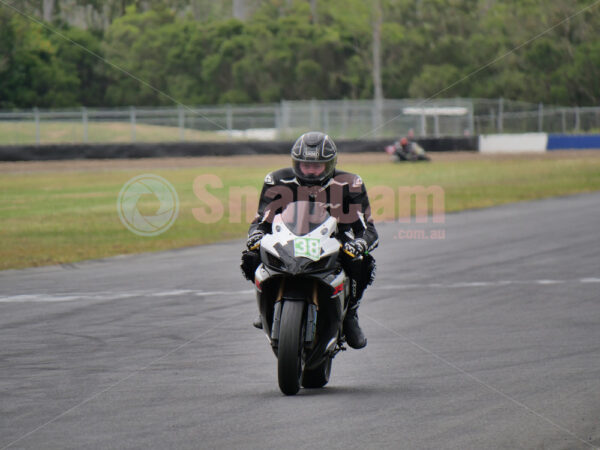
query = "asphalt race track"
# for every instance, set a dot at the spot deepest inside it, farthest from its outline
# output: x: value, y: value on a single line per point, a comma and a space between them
x: 489, y: 338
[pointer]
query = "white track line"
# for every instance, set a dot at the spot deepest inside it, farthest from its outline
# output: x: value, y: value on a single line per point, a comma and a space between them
x: 478, y: 284
x: 107, y: 296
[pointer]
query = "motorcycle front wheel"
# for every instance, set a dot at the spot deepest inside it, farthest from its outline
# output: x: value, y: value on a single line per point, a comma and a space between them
x: 290, y: 355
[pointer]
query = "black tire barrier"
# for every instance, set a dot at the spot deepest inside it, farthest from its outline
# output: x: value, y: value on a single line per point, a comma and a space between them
x: 49, y: 152
x: 139, y: 150
x: 450, y: 144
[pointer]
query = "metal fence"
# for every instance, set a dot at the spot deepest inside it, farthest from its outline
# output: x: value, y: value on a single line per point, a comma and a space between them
x: 287, y: 119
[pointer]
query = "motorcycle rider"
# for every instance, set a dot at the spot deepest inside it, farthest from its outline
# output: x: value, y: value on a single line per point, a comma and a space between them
x: 314, y: 177
x: 404, y: 148
x: 408, y: 150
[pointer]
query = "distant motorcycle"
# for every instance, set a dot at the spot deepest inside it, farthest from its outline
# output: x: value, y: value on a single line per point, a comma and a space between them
x: 302, y: 293
x: 409, y: 151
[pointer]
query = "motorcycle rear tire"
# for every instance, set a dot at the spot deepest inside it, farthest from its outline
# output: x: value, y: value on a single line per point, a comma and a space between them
x: 290, y: 363
x: 319, y: 376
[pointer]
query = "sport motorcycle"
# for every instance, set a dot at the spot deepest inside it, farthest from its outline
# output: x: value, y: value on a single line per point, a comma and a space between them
x: 302, y: 292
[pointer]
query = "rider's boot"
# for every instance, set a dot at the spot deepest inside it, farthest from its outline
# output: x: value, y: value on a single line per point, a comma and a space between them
x: 258, y: 323
x: 354, y: 335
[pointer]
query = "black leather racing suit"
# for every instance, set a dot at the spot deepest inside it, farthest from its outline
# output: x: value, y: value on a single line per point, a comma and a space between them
x: 344, y: 193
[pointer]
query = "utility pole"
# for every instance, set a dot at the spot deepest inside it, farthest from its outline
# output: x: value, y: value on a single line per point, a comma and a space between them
x: 378, y: 89
x: 48, y: 10
x: 313, y: 11
x: 239, y: 9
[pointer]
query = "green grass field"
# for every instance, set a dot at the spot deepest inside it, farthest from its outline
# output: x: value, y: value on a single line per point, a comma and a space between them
x: 55, y: 132
x: 55, y: 216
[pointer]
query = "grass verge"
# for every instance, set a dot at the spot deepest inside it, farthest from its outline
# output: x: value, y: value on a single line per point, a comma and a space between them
x: 55, y: 132
x: 61, y: 216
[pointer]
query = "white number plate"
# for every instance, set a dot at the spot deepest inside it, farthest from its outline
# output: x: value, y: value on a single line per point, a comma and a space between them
x: 308, y: 248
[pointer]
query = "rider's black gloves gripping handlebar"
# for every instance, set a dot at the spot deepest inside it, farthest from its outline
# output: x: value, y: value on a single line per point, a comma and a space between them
x: 253, y: 241
x: 356, y: 247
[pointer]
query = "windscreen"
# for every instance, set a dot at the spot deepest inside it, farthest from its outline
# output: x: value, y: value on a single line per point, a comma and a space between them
x: 303, y: 217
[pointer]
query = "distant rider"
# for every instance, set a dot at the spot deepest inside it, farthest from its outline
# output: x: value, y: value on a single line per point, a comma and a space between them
x: 314, y: 174
x: 404, y: 149
x: 408, y: 150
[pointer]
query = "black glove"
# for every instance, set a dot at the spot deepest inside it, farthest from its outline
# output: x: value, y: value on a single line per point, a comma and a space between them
x: 355, y: 248
x: 253, y: 241
x: 250, y: 262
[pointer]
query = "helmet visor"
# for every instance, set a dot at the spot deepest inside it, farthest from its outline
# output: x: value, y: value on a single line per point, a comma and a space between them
x: 313, y: 172
x: 311, y: 169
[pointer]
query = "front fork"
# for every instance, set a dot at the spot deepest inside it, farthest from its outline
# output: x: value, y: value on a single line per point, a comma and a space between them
x: 311, y: 316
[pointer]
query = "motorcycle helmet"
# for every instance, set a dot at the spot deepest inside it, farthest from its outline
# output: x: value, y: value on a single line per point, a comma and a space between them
x: 314, y: 156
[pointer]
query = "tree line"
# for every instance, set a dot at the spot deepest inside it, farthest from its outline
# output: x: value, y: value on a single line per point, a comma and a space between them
x: 198, y: 52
